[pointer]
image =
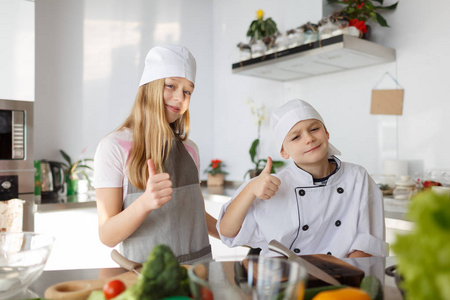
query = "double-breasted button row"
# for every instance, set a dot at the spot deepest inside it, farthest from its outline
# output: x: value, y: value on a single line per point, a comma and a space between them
x: 306, y: 227
x: 303, y: 192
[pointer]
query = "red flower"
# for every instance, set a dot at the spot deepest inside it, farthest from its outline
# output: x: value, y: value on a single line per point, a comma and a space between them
x: 360, y: 5
x: 361, y: 25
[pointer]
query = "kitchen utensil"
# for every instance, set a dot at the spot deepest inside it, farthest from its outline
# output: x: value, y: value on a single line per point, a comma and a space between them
x: 310, y: 268
x: 81, y: 289
x: 258, y: 277
x: 392, y: 272
x: 124, y: 262
x: 23, y: 256
x: 52, y: 180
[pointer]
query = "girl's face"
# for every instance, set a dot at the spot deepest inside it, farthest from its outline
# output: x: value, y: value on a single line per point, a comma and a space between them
x: 177, y: 96
x: 306, y: 143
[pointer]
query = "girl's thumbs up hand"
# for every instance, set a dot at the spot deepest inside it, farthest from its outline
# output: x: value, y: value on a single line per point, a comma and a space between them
x: 159, y: 187
x: 265, y: 185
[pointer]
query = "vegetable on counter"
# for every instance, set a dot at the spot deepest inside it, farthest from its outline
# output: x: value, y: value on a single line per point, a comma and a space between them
x: 370, y: 289
x: 346, y: 293
x: 423, y: 255
x: 113, y: 288
x: 161, y: 276
x: 373, y: 286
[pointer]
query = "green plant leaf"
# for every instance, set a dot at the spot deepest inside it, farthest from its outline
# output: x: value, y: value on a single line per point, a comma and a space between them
x: 382, y: 21
x: 73, y: 167
x: 277, y: 163
x: 66, y: 157
x: 390, y: 7
x: 252, y: 151
x: 66, y: 166
x: 85, y: 167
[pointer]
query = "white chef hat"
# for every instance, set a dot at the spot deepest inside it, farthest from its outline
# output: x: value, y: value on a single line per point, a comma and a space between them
x: 286, y: 116
x: 169, y: 61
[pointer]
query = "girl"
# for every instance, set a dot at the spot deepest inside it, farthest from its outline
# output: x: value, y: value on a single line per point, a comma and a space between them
x: 147, y: 171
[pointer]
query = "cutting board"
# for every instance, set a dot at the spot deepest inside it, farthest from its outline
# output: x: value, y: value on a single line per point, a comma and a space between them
x: 342, y: 271
x: 81, y: 289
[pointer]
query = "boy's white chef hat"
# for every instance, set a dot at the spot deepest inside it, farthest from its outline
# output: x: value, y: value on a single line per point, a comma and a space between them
x: 286, y: 116
x: 169, y: 61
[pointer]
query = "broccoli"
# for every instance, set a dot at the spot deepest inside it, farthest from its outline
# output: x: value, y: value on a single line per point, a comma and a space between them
x: 161, y: 276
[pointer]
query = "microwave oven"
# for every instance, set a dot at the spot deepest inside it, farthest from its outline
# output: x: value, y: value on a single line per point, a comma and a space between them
x: 16, y: 156
x: 12, y: 134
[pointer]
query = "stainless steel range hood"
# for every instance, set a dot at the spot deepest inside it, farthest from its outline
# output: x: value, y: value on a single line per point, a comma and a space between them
x: 338, y: 53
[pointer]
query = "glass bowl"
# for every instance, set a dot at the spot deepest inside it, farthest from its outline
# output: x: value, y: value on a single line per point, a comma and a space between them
x: 254, y: 277
x: 22, y: 259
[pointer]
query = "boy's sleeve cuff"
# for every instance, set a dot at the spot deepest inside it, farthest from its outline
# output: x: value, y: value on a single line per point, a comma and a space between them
x: 370, y: 245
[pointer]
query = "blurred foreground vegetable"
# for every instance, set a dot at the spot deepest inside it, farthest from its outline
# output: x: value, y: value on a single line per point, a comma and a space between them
x: 423, y: 255
x: 161, y: 276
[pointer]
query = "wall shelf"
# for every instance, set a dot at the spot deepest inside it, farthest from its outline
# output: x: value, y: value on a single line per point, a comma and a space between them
x: 338, y: 53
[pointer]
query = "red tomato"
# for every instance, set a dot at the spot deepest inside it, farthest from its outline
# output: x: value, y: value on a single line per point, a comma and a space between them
x: 206, y: 294
x: 113, y: 288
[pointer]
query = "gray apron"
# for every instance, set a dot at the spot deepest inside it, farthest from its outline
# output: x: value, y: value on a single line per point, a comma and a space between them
x: 180, y: 223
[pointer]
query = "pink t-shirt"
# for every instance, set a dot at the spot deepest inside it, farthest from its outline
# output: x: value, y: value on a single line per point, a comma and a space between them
x: 110, y: 161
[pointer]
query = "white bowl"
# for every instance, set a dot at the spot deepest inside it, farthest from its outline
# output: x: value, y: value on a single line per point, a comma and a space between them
x: 23, y: 256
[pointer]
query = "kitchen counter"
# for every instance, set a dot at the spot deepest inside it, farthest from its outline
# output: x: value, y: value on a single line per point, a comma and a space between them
x: 216, y: 194
x: 371, y: 266
x: 394, y: 209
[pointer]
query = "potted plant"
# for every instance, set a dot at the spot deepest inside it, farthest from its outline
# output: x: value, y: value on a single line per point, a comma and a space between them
x: 359, y: 12
x: 216, y: 174
x: 73, y: 170
x: 262, y: 33
x: 259, y: 113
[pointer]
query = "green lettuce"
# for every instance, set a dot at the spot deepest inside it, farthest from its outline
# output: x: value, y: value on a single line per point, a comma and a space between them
x: 423, y: 255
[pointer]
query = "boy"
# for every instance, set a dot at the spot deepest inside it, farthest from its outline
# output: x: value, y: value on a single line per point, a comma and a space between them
x: 318, y: 205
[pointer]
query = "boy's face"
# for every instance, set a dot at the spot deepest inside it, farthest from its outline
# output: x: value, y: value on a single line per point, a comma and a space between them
x: 306, y: 143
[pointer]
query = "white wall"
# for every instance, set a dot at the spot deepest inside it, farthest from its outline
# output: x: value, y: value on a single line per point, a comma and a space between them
x: 17, y: 50
x: 89, y: 57
x: 420, y: 36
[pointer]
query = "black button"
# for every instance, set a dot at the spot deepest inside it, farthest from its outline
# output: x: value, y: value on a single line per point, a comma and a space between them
x: 296, y: 250
x: 305, y: 227
x: 329, y: 253
x: 340, y: 190
x: 337, y: 223
x: 302, y: 192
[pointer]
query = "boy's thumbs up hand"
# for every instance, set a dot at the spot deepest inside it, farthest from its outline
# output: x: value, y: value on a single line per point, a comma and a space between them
x: 268, y: 166
x: 159, y: 187
x: 265, y: 185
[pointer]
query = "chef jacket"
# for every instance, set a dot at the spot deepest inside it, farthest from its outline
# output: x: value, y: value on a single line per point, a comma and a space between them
x: 344, y: 215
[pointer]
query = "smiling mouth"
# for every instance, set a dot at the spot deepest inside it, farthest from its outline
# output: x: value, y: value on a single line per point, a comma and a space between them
x: 311, y: 150
x: 173, y: 109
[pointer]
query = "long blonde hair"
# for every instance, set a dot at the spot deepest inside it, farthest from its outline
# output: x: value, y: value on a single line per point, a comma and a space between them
x: 152, y: 134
